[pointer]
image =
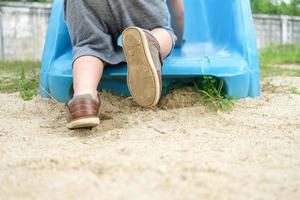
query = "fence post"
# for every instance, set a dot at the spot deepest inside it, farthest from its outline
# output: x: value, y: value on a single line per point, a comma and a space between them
x: 284, y: 29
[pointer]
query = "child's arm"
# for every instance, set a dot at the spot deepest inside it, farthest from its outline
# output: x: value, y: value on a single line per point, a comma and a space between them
x: 176, y: 9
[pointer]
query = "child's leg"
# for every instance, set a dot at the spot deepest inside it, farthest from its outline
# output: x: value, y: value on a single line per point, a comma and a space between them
x: 144, y: 51
x: 87, y: 72
x: 165, y: 41
x: 83, y: 109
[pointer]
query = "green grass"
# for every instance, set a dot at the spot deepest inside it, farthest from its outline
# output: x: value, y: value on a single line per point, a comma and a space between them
x: 276, y: 55
x: 16, y: 67
x: 20, y: 76
x: 268, y: 70
x: 211, y: 94
x: 294, y: 90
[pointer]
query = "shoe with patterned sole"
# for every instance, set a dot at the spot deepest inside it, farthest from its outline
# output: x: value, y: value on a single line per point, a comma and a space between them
x: 144, y: 62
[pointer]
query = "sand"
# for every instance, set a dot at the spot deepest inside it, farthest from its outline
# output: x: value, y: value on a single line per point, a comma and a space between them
x: 180, y: 150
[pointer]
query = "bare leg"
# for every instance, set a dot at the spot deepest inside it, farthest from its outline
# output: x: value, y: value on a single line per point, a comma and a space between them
x: 164, y: 39
x: 87, y: 72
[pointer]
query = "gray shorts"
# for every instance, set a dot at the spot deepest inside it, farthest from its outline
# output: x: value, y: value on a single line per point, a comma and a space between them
x: 95, y: 25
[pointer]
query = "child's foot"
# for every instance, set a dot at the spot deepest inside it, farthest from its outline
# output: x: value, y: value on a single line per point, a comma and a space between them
x: 82, y: 111
x: 142, y: 53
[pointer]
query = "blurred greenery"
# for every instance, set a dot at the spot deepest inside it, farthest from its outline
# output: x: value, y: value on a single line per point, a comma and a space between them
x: 275, y: 55
x: 20, y: 76
x: 267, y: 7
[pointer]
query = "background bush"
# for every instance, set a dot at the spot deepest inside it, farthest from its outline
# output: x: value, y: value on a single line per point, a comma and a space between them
x: 267, y: 7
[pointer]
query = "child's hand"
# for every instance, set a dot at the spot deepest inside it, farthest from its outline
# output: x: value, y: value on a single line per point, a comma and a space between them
x: 176, y: 9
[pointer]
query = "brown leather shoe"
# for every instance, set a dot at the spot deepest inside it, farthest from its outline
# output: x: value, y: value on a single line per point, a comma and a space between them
x: 82, y: 111
x: 142, y: 52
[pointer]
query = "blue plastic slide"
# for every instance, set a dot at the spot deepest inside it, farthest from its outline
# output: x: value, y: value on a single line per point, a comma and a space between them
x: 220, y: 42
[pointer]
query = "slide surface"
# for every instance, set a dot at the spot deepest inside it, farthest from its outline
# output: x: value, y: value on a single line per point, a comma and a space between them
x: 219, y: 38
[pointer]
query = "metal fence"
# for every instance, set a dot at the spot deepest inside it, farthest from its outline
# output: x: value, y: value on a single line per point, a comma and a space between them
x: 23, y: 28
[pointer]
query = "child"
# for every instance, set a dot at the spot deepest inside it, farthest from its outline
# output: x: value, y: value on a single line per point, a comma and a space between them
x: 95, y: 26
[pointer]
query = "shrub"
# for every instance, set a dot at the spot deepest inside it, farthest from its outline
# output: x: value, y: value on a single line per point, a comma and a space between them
x: 267, y: 7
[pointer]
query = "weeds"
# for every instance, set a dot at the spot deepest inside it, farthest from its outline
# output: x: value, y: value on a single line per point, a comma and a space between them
x: 211, y: 93
x: 18, y: 79
x: 294, y: 90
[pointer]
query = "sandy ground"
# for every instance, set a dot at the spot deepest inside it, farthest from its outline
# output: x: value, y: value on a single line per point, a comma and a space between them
x: 178, y: 151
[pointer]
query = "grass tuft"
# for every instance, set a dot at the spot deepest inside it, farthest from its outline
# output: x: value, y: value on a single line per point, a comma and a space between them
x: 20, y: 77
x: 211, y: 93
x: 294, y: 90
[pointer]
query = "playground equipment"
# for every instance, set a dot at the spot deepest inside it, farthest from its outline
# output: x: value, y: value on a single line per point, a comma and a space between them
x: 220, y: 42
